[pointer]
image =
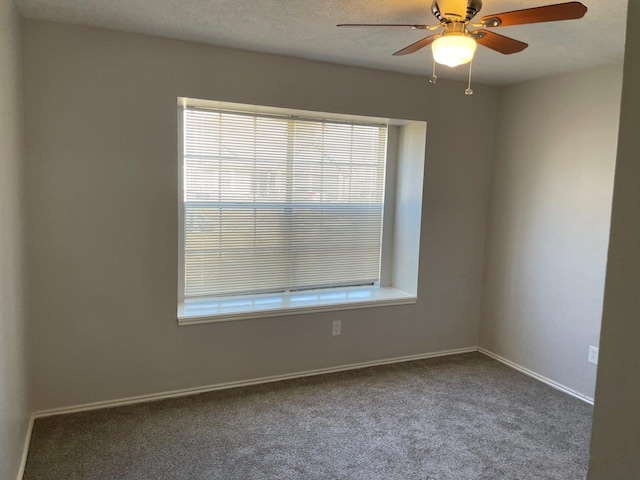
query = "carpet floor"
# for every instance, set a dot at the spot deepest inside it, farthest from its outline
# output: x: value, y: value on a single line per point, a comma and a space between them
x: 462, y: 417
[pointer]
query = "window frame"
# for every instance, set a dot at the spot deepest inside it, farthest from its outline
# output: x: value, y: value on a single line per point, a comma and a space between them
x: 205, y: 310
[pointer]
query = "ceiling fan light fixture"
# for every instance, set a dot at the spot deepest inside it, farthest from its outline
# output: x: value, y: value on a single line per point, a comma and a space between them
x: 454, y: 49
x: 456, y: 44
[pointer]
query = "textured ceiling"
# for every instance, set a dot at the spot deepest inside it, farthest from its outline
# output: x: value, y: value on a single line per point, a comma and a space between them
x: 307, y: 29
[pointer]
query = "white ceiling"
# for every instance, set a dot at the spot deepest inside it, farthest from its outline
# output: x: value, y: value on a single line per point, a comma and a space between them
x: 307, y: 29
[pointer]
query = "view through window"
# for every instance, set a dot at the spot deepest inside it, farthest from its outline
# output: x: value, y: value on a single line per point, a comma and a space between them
x: 280, y: 204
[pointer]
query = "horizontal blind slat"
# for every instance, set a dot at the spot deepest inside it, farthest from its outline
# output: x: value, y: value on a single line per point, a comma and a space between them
x: 276, y: 203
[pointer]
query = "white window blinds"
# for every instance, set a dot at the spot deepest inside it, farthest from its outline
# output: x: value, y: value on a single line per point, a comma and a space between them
x: 275, y: 204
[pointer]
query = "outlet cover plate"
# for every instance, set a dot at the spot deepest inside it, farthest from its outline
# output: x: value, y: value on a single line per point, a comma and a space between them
x: 336, y: 328
x: 593, y: 355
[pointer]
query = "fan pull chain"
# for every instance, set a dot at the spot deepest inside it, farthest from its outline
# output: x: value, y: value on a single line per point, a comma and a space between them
x: 434, y: 77
x: 468, y: 91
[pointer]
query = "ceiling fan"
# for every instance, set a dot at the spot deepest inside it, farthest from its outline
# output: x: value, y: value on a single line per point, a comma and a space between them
x: 458, y: 38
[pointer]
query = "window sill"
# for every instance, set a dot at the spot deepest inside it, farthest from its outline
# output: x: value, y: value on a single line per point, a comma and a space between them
x: 226, y: 309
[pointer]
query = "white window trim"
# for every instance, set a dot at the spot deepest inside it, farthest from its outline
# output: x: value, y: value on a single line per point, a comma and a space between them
x: 199, y: 311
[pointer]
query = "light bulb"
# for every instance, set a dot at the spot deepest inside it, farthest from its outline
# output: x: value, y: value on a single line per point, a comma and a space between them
x: 454, y: 49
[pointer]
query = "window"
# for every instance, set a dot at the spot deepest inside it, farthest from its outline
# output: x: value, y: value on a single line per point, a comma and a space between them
x: 279, y: 210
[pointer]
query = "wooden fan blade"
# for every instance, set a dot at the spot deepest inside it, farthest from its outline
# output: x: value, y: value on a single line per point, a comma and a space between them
x: 415, y: 27
x: 499, y: 43
x: 549, y: 13
x: 414, y: 47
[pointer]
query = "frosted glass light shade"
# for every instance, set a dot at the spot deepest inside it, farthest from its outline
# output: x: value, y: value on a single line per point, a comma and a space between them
x: 454, y: 49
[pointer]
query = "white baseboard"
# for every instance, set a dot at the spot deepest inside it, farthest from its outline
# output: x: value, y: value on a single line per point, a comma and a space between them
x: 531, y: 373
x: 243, y: 383
x: 25, y: 448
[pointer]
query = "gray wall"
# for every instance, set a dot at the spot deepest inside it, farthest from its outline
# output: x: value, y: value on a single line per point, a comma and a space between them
x: 14, y: 405
x: 549, y: 219
x: 101, y: 158
x: 615, y: 447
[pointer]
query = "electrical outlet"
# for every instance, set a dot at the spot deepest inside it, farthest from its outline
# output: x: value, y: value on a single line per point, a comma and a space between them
x: 593, y: 355
x: 336, y: 328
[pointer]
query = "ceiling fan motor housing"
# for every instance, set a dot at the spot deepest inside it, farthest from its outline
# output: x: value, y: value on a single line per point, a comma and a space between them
x: 450, y: 10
